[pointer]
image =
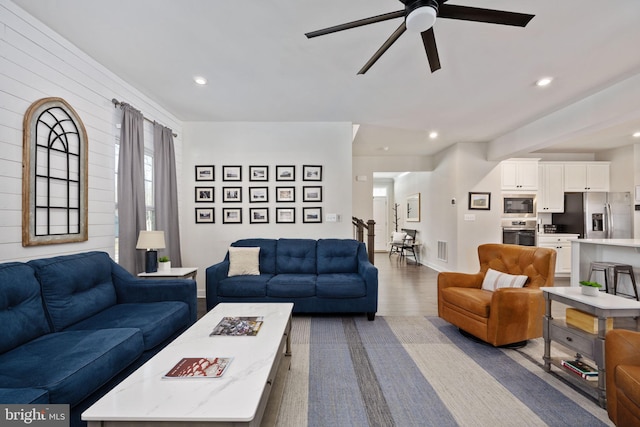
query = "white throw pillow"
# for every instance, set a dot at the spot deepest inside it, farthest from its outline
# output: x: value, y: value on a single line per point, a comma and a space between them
x: 398, y: 237
x: 244, y: 261
x: 495, y: 279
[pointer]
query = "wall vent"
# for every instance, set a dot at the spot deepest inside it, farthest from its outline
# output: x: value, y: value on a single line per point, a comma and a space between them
x: 442, y: 251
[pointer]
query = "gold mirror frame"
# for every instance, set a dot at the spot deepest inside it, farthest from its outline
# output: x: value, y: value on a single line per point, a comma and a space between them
x: 54, y: 174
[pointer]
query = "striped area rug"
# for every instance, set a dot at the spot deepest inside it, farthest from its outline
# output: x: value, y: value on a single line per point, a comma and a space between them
x: 420, y: 371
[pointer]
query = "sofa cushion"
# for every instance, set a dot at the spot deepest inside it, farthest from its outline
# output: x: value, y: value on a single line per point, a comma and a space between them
x: 244, y: 286
x: 292, y: 286
x: 344, y: 285
x: 473, y: 300
x: 337, y: 256
x: 496, y: 279
x: 22, y: 316
x: 244, y: 261
x: 75, y: 287
x: 23, y: 395
x: 157, y: 320
x: 296, y: 256
x: 267, y: 252
x: 70, y: 365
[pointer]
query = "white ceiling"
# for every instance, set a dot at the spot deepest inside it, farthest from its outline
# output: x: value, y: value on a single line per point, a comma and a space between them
x: 261, y: 67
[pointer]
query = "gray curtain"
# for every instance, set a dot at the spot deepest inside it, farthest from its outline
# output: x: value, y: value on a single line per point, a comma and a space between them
x: 131, y: 207
x: 166, y: 192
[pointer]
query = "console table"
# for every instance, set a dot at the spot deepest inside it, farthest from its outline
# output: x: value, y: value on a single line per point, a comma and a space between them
x: 590, y: 345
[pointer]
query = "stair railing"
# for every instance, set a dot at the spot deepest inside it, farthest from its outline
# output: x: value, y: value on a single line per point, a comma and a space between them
x: 359, y: 227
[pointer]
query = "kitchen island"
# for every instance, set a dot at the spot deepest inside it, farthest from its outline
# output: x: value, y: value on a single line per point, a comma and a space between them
x: 586, y: 251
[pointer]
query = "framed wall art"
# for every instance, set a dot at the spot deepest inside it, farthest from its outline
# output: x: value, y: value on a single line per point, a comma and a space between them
x: 311, y: 194
x: 286, y: 215
x: 205, y: 195
x: 232, y: 173
x: 232, y: 194
x: 205, y: 173
x: 205, y: 215
x: 258, y: 173
x: 259, y: 215
x: 258, y: 194
x: 480, y: 201
x: 311, y: 173
x: 311, y: 214
x: 285, y: 194
x: 285, y: 173
x: 232, y: 215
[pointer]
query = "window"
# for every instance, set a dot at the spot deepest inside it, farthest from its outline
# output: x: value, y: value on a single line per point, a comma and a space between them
x: 379, y: 191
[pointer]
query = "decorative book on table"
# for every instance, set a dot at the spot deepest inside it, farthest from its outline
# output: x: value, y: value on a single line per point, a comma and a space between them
x: 238, y: 326
x: 199, y: 367
x: 581, y: 368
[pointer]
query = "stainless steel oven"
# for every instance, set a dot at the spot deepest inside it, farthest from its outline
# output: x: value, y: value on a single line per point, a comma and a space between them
x: 520, y: 231
x: 519, y: 206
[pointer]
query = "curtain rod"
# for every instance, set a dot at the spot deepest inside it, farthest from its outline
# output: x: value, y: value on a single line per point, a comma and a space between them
x: 117, y: 103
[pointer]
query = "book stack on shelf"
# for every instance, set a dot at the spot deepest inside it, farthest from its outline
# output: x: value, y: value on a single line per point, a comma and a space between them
x: 582, y: 369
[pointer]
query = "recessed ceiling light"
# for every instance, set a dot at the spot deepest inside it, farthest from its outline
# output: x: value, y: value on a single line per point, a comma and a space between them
x: 433, y: 135
x: 636, y: 134
x: 385, y: 148
x: 544, y: 81
x: 200, y: 80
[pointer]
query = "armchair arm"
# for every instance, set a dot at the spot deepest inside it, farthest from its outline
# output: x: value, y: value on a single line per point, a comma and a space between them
x: 459, y: 280
x: 515, y: 312
x: 214, y: 275
x: 132, y: 289
x: 622, y: 347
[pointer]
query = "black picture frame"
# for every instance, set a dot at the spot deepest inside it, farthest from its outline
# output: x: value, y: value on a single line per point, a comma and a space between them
x: 285, y: 194
x: 285, y: 173
x: 312, y: 215
x: 479, y: 201
x: 232, y: 173
x: 232, y: 194
x: 205, y: 215
x: 205, y: 195
x: 312, y: 193
x: 258, y: 194
x: 259, y: 215
x: 205, y: 173
x: 259, y: 173
x: 312, y: 173
x: 232, y: 215
x: 285, y: 215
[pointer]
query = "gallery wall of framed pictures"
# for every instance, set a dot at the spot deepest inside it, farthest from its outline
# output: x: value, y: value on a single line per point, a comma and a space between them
x: 277, y: 193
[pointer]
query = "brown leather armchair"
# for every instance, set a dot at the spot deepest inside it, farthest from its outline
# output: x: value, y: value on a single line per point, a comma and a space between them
x: 506, y: 315
x: 622, y: 367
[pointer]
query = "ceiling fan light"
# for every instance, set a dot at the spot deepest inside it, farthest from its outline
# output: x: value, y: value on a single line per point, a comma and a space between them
x: 421, y: 19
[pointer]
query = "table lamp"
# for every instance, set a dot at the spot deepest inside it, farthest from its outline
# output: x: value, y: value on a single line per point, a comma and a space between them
x: 151, y: 241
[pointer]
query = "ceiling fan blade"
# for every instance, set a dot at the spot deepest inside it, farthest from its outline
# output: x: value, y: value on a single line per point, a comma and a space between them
x: 386, y: 45
x: 491, y: 16
x: 429, y: 41
x: 355, y: 24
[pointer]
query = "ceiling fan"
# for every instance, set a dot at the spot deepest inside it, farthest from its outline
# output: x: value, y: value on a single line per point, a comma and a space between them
x: 419, y: 16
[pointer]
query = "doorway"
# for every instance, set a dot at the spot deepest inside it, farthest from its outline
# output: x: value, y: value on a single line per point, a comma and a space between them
x: 381, y: 217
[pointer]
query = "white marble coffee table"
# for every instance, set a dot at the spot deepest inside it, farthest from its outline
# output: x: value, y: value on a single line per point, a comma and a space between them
x: 237, y: 398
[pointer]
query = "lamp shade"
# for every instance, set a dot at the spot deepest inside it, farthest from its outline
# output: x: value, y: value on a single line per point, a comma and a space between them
x: 151, y: 240
x: 421, y: 19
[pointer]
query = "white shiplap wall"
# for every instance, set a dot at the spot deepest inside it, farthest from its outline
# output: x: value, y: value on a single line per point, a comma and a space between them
x: 35, y: 63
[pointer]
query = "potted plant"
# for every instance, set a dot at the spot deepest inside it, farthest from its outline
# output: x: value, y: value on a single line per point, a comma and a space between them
x: 590, y: 288
x: 164, y: 263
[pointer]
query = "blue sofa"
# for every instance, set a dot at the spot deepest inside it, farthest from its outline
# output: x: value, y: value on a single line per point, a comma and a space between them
x: 75, y: 325
x: 318, y: 276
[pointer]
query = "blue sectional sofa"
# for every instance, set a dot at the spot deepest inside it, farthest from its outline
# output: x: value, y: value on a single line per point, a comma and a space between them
x: 75, y: 325
x: 318, y: 276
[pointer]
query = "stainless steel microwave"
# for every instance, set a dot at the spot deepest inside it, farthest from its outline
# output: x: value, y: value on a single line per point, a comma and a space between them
x: 519, y: 206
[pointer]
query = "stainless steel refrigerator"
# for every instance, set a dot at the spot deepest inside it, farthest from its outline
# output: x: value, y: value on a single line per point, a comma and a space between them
x: 596, y: 215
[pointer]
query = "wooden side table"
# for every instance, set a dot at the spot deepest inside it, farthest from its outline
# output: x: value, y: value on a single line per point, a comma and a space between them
x: 172, y: 273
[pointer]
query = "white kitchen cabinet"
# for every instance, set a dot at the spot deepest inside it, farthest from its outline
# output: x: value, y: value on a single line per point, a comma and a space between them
x: 562, y: 244
x: 551, y: 187
x: 520, y: 175
x: 586, y: 176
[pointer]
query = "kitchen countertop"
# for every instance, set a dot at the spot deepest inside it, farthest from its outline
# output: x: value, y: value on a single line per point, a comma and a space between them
x: 557, y: 234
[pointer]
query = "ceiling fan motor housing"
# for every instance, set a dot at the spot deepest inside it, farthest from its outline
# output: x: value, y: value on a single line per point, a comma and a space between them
x: 411, y: 5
